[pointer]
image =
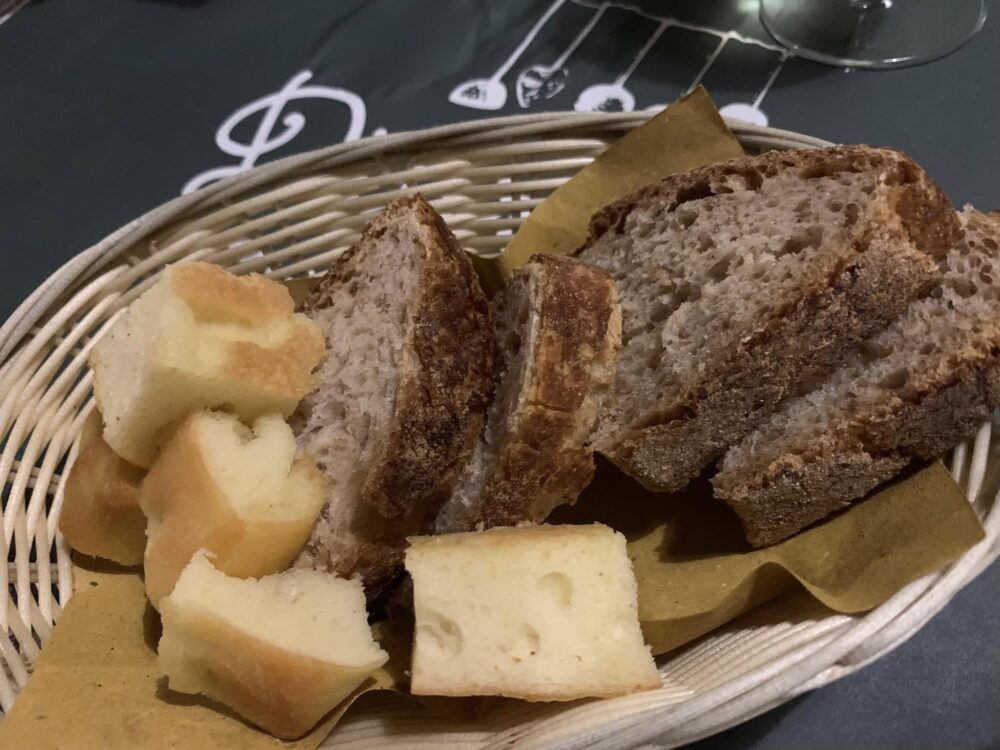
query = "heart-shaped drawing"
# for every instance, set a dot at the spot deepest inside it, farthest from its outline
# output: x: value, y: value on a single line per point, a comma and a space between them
x: 539, y: 82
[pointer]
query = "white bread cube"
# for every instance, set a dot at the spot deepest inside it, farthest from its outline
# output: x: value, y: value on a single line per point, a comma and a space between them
x: 199, y: 338
x: 100, y: 513
x: 282, y: 651
x: 543, y: 613
x: 238, y: 492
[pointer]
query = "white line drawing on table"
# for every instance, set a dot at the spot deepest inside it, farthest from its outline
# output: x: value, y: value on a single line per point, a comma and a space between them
x: 491, y: 93
x: 745, y: 111
x: 542, y: 81
x: 265, y: 139
x: 752, y: 113
x: 547, y: 81
x: 614, y: 97
x: 748, y: 112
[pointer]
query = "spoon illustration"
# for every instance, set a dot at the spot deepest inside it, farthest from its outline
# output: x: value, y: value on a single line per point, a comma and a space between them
x: 723, y: 41
x: 491, y: 93
x: 614, y: 97
x: 750, y: 111
x: 545, y: 81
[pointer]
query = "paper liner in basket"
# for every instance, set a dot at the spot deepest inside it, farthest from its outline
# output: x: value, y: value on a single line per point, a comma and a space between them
x: 96, y: 683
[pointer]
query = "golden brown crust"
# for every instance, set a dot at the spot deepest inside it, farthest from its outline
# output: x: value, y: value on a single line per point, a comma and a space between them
x: 442, y: 393
x: 188, y: 511
x: 282, y: 369
x: 100, y: 514
x: 545, y: 462
x: 736, y: 393
x: 280, y: 691
x: 241, y: 348
x: 441, y: 402
x: 215, y: 294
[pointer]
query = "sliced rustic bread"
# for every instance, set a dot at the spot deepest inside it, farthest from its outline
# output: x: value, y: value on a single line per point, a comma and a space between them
x: 558, y: 333
x: 912, y: 390
x: 402, y: 393
x: 740, y: 282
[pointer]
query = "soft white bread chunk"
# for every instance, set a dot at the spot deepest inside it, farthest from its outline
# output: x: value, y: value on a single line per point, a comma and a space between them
x: 100, y: 513
x: 543, y: 613
x: 238, y: 492
x: 200, y: 337
x: 281, y: 651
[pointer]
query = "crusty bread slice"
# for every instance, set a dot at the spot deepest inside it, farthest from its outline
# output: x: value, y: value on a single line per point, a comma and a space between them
x: 238, y: 492
x: 913, y: 390
x: 558, y: 333
x: 100, y: 513
x: 543, y: 613
x: 282, y: 651
x: 743, y: 281
x: 200, y: 338
x: 402, y: 393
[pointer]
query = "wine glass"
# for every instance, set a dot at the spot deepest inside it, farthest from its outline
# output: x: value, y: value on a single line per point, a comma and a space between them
x: 872, y: 33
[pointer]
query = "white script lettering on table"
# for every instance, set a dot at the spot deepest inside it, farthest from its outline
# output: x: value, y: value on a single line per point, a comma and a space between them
x: 270, y: 134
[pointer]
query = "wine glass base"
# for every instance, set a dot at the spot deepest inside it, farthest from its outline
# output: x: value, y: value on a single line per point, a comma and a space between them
x: 872, y: 33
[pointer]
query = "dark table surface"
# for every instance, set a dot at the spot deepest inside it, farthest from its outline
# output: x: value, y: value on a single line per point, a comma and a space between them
x: 110, y: 107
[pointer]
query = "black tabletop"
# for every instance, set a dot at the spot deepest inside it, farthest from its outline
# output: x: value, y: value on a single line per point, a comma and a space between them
x: 110, y: 107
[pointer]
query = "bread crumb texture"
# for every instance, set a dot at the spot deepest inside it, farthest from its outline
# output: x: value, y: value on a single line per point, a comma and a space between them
x: 541, y: 613
x: 402, y: 394
x: 281, y: 651
x: 740, y: 281
x: 238, y: 492
x: 910, y: 391
x: 200, y: 337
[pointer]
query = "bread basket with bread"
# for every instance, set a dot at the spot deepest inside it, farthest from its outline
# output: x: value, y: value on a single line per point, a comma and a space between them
x: 568, y: 374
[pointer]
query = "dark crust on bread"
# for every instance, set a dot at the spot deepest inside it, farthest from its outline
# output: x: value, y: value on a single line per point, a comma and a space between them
x: 441, y: 398
x: 544, y: 462
x: 924, y: 208
x: 786, y: 500
x: 795, y: 500
x: 734, y: 395
x: 937, y: 412
x: 813, y: 337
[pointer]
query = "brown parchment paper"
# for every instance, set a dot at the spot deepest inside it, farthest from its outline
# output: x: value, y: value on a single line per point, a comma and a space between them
x: 695, y: 570
x: 96, y: 683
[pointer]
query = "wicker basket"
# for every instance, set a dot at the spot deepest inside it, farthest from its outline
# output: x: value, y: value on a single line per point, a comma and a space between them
x: 293, y: 218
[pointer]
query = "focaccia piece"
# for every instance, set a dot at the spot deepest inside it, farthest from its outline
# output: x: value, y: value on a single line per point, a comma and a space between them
x: 100, y: 513
x: 200, y: 338
x: 281, y: 651
x: 239, y: 492
x: 541, y: 613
